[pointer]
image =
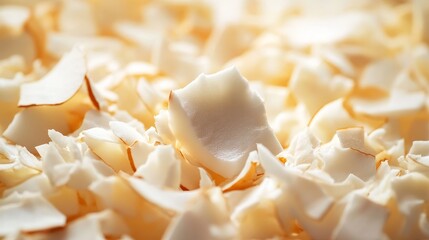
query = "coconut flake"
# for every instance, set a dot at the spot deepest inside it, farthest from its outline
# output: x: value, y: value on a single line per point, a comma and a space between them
x: 161, y: 197
x: 125, y: 132
x: 30, y: 126
x: 310, y: 196
x: 362, y: 218
x: 163, y: 128
x: 305, y: 30
x: 98, y: 225
x: 331, y: 117
x: 398, y: 103
x: 229, y: 41
x: 207, y: 218
x: 248, y: 176
x: 348, y: 154
x: 380, y: 74
x: 108, y: 147
x: 59, y: 85
x: 29, y: 160
x: 140, y: 151
x: 21, y: 215
x: 305, y: 79
x: 162, y: 168
x: 218, y: 120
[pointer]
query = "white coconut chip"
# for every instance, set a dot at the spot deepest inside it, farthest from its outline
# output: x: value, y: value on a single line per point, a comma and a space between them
x: 206, y: 218
x: 362, y: 219
x: 150, y: 95
x: 38, y: 184
x: 128, y: 134
x: 305, y: 79
x: 31, y: 212
x: 218, y: 121
x: 347, y: 154
x: 308, y: 30
x: 98, y: 226
x: 162, y: 168
x: 29, y: 160
x: 310, y: 196
x: 162, y: 197
x: 398, y: 103
x: 59, y: 85
x: 163, y: 127
x: 108, y: 147
x: 331, y: 117
x: 140, y: 151
x: 247, y: 177
x: 29, y: 127
x: 302, y: 148
x: 380, y: 74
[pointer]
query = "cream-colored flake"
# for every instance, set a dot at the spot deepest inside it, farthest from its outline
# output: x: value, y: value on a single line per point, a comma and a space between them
x: 218, y: 120
x: 59, y: 85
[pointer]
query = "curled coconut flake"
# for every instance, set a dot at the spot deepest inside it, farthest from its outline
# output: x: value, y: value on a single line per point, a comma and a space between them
x: 59, y: 85
x: 128, y: 134
x: 218, y: 121
x: 329, y: 118
x: 108, y: 147
x: 248, y: 176
x: 95, y: 94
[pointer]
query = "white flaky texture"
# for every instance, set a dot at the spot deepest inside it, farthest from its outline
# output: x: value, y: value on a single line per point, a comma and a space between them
x: 218, y: 120
x: 215, y: 119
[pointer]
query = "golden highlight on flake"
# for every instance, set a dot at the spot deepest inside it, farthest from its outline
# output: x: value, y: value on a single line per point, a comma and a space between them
x: 214, y: 119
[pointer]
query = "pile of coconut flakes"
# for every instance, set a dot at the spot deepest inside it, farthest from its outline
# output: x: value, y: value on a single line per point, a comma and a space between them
x: 214, y: 119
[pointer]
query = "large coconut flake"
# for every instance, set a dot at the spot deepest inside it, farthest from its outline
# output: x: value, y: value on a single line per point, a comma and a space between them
x: 218, y: 121
x: 58, y: 85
